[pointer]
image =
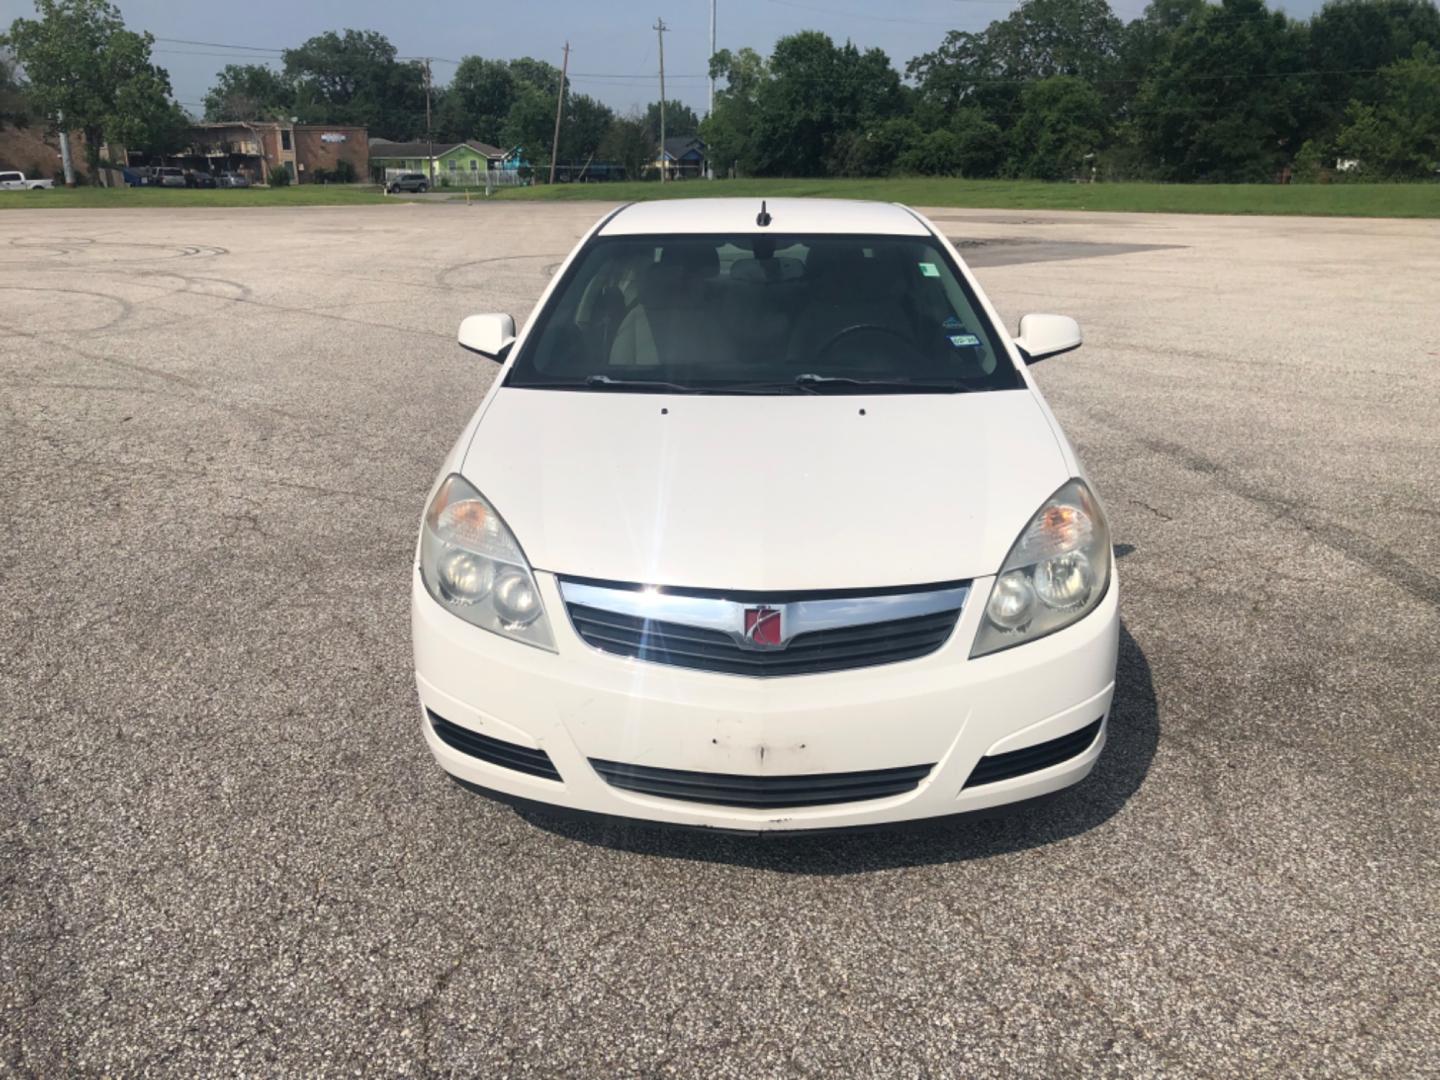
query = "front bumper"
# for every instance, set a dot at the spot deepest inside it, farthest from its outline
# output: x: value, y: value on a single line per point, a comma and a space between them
x: 580, y: 705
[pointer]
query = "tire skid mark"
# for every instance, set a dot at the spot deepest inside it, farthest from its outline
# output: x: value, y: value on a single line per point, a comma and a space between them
x: 445, y: 271
x: 127, y: 307
x: 1356, y: 546
x: 262, y: 414
x: 190, y: 283
x: 61, y: 248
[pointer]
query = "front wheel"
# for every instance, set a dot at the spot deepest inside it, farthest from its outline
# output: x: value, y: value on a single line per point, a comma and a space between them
x: 420, y: 190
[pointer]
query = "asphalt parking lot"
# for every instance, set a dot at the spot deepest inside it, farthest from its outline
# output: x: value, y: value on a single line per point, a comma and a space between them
x: 224, y: 847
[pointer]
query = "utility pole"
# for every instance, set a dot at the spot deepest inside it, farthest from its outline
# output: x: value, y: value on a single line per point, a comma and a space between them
x: 709, y: 168
x: 429, y: 138
x: 660, y: 29
x: 65, y: 162
x: 559, y: 110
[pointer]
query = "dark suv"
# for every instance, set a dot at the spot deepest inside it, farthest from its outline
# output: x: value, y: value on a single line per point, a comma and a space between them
x: 410, y: 181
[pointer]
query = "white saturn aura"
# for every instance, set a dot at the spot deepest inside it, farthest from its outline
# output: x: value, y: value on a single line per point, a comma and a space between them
x: 763, y: 525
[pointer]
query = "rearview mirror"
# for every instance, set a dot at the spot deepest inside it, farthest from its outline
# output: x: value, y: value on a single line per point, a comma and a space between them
x: 489, y: 335
x: 1047, y: 335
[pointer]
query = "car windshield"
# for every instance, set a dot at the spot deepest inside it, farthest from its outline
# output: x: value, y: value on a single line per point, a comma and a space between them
x: 763, y: 314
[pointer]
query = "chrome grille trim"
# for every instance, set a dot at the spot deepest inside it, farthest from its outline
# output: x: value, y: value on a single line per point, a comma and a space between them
x: 728, y: 616
x: 818, y: 633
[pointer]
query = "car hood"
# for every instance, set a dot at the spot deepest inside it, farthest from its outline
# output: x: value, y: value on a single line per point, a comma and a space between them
x: 765, y: 493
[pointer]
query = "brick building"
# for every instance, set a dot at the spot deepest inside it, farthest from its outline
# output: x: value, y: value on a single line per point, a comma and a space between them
x: 254, y: 147
x: 35, y: 151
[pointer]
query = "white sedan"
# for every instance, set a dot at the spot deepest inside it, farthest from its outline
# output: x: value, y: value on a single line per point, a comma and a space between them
x: 764, y: 526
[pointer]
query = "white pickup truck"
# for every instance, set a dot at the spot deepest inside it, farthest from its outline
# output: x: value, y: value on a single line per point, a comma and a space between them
x: 17, y: 181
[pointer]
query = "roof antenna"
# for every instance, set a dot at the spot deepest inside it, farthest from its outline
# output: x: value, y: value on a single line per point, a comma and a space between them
x: 763, y: 218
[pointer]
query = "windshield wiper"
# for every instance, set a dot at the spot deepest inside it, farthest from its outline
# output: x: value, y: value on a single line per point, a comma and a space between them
x: 608, y: 383
x: 816, y: 383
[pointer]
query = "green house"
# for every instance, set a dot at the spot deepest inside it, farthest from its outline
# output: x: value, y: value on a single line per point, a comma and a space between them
x: 456, y: 164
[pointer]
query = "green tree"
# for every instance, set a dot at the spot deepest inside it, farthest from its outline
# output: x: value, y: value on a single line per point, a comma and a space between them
x: 583, y: 127
x: 539, y: 74
x: 477, y: 101
x: 1231, y: 99
x: 1399, y: 137
x: 80, y: 60
x: 961, y: 73
x: 877, y: 150
x: 982, y: 142
x: 680, y: 119
x: 249, y: 92
x: 627, y: 142
x: 13, y: 106
x: 938, y: 153
x: 1352, y: 40
x: 1061, y: 122
x: 530, y: 124
x: 353, y: 77
x: 813, y: 93
x: 1146, y: 41
x: 729, y: 130
x: 1040, y: 39
x: 1044, y: 38
x: 530, y: 121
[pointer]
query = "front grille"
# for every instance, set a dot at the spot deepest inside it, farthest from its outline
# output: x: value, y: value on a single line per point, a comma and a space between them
x: 496, y: 751
x: 713, y: 650
x: 1033, y: 758
x: 762, y: 792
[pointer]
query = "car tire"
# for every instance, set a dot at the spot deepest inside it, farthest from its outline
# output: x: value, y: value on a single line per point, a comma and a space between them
x: 420, y: 190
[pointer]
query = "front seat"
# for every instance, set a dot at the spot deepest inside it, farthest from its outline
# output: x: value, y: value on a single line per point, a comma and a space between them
x: 673, y: 321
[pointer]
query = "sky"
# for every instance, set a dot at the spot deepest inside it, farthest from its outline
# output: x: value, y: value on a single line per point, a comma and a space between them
x: 613, y: 50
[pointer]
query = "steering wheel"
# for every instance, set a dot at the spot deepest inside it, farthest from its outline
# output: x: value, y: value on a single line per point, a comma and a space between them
x: 840, y: 335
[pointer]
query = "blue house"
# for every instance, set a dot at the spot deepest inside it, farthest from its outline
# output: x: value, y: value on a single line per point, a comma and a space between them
x: 682, y: 156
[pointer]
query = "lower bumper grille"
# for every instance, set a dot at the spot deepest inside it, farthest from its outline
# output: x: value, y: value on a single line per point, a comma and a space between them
x: 1030, y: 759
x: 496, y: 751
x: 762, y: 792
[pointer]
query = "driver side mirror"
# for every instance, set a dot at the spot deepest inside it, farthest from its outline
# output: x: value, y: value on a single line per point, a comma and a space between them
x: 1047, y: 335
x: 489, y: 335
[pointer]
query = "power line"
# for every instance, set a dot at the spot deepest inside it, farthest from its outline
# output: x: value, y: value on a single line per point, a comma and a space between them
x: 882, y: 18
x: 220, y: 55
x: 218, y: 45
x: 632, y: 78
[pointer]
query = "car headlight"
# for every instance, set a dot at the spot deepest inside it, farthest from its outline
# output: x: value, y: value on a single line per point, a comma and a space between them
x: 1056, y: 572
x: 472, y: 565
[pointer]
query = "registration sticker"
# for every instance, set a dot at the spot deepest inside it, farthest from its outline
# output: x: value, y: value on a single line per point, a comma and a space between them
x: 961, y: 341
x: 929, y: 270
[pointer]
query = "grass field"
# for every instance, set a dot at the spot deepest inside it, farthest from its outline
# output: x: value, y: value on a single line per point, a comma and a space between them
x: 1346, y: 200
x: 115, y: 198
x: 1329, y: 200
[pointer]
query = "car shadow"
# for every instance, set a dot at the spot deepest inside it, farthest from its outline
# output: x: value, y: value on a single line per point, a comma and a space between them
x: 1134, y: 733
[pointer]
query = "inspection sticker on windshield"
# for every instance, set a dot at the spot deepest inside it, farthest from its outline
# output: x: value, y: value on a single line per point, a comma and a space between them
x: 929, y: 270
x: 960, y: 341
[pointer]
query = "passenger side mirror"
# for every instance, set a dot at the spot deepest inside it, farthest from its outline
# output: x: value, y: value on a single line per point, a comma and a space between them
x: 489, y: 335
x: 1047, y: 335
